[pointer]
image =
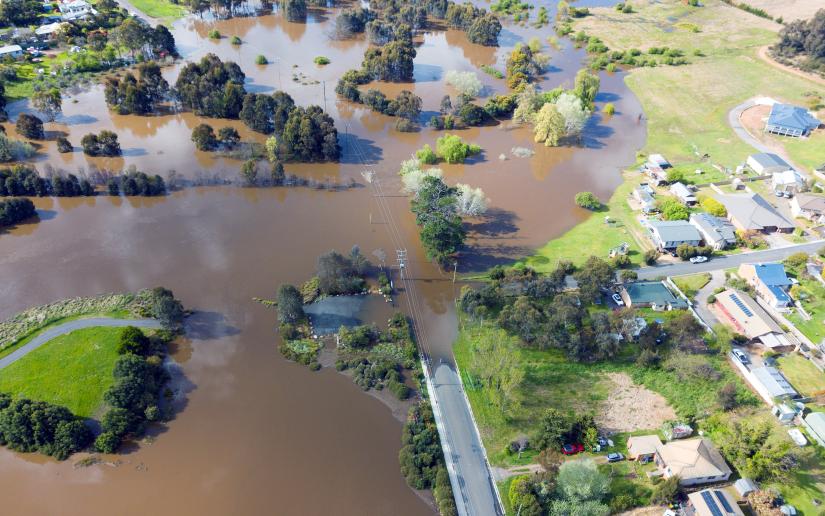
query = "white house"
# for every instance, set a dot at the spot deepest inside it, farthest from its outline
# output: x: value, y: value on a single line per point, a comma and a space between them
x: 683, y: 193
x: 809, y: 206
x: 788, y: 181
x: 12, y: 51
x: 670, y: 234
x: 76, y: 9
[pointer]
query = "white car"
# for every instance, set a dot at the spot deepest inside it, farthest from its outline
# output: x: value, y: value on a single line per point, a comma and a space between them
x: 741, y: 356
x: 617, y: 299
x: 699, y: 259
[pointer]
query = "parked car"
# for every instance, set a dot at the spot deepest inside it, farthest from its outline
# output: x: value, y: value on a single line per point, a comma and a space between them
x: 617, y: 299
x: 602, y: 442
x: 572, y: 449
x: 779, y: 193
x: 741, y: 356
x: 614, y: 457
x: 699, y: 259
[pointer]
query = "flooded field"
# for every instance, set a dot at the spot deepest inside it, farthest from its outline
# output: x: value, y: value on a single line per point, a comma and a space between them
x: 259, y: 434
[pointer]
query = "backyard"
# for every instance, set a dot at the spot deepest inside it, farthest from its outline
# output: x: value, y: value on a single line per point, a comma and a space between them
x: 690, y: 285
x: 72, y: 370
x: 811, y: 294
x: 802, y: 374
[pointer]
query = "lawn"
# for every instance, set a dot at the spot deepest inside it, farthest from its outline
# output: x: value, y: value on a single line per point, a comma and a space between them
x: 159, y: 9
x: 687, y: 106
x: 814, y: 303
x: 73, y: 370
x: 690, y: 285
x: 594, y: 237
x: 802, y: 374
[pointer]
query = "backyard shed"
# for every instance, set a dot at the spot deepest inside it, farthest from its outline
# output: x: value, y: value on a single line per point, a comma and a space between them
x: 815, y: 425
x: 643, y: 447
x: 745, y: 486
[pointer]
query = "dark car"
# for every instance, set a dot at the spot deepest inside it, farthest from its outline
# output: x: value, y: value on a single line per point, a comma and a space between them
x: 614, y: 457
x: 572, y: 449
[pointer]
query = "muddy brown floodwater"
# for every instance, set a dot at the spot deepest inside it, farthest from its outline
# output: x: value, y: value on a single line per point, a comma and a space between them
x: 260, y: 435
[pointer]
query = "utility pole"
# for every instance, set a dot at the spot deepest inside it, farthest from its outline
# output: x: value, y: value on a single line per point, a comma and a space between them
x: 324, y: 83
x: 455, y: 269
x: 402, y: 260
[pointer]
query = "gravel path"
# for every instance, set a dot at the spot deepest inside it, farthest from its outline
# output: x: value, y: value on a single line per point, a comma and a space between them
x: 69, y: 327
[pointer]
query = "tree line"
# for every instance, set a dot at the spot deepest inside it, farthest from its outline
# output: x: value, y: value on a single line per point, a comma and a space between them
x: 22, y: 180
x: 805, y: 39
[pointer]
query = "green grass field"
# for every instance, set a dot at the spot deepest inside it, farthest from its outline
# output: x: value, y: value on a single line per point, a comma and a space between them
x: 814, y: 304
x: 162, y: 9
x: 595, y: 238
x: 691, y: 284
x: 802, y: 374
x: 687, y: 106
x: 73, y: 370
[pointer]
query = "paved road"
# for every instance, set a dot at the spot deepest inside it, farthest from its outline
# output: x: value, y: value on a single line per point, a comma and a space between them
x: 728, y: 262
x: 69, y: 327
x: 476, y: 493
x: 137, y: 12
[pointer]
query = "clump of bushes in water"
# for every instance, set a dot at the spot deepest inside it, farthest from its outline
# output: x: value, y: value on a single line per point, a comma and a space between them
x: 235, y: 40
x: 405, y: 105
x: 104, y: 143
x: 214, y: 34
x: 377, y: 358
x: 13, y: 211
x: 135, y: 183
x: 24, y: 180
x: 588, y: 201
x: 321, y: 60
x: 453, y: 149
x: 261, y: 60
x: 422, y: 459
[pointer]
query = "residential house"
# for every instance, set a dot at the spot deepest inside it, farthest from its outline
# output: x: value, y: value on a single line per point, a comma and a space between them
x: 716, y: 232
x: 788, y: 181
x: 644, y: 195
x: 653, y: 294
x: 656, y: 173
x: 659, y: 161
x: 683, y: 193
x: 751, y: 212
x: 809, y: 206
x: 76, y: 10
x: 11, y: 51
x: 643, y: 447
x: 48, y: 31
x: 741, y: 313
x: 766, y: 163
x: 694, y: 461
x: 713, y: 502
x: 670, y: 234
x: 814, y: 423
x: 788, y: 120
x: 769, y: 280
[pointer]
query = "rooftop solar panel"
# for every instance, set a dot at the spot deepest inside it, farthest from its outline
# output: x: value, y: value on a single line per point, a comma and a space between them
x: 724, y: 501
x: 711, y: 503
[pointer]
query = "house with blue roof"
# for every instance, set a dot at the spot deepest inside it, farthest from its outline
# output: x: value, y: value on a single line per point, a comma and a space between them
x: 788, y: 120
x: 770, y: 282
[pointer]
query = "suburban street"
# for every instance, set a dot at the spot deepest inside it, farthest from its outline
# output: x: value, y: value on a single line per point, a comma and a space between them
x: 69, y: 327
x: 476, y: 493
x: 728, y: 262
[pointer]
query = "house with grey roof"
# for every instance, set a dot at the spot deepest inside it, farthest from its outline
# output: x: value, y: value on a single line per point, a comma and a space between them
x: 771, y: 384
x: 13, y: 51
x: 716, y: 232
x: 809, y: 206
x: 788, y: 181
x: 751, y: 212
x: 814, y: 423
x: 670, y: 234
x: 653, y: 294
x: 788, y: 120
x: 683, y: 193
x: 765, y: 163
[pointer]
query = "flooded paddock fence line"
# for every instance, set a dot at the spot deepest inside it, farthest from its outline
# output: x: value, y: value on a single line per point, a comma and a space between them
x: 258, y: 433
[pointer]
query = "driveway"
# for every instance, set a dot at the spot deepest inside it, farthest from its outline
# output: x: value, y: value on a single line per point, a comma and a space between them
x: 743, y: 134
x: 717, y: 279
x: 69, y: 327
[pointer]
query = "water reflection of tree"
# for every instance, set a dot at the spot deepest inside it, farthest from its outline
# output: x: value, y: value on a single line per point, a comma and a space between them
x: 478, y: 55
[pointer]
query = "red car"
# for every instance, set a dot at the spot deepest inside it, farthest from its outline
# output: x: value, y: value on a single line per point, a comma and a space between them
x: 572, y: 449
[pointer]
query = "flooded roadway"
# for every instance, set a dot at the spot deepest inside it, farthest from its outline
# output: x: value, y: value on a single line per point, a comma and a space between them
x: 259, y: 434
